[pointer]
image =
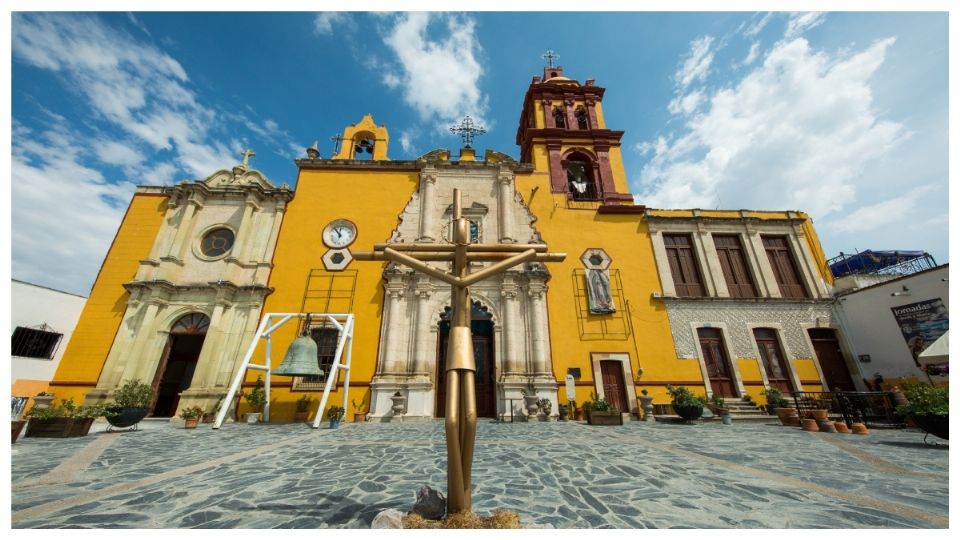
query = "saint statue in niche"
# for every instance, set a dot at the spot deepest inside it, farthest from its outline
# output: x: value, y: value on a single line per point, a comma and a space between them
x: 598, y: 292
x: 577, y: 177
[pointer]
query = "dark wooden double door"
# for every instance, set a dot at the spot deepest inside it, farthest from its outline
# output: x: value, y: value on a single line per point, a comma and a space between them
x: 717, y: 362
x: 773, y: 360
x: 485, y: 384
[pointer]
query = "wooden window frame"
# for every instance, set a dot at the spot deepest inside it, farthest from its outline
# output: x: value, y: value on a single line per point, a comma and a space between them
x: 733, y: 262
x: 783, y: 264
x: 684, y: 266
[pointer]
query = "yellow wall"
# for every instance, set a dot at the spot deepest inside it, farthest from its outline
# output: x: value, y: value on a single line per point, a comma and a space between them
x: 373, y: 200
x: 101, y: 316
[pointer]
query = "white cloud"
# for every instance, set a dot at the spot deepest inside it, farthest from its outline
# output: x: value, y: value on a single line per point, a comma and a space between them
x: 796, y: 132
x: 752, y: 55
x: 882, y: 214
x: 440, y: 75
x: 798, y: 23
x: 697, y: 64
x: 685, y: 104
x: 753, y: 29
x: 60, y: 241
x: 406, y: 143
x: 325, y: 22
x: 117, y: 153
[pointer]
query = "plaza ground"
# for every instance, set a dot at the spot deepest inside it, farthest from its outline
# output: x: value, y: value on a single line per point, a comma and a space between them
x: 563, y: 474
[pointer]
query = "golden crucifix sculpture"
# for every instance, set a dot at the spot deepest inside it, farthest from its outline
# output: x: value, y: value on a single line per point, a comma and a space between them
x: 461, y: 405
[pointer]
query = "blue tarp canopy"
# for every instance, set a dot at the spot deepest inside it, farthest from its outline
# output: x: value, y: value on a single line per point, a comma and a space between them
x: 869, y: 260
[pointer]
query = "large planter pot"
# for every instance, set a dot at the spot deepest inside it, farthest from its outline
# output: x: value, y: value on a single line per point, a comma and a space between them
x: 43, y: 402
x: 605, y: 418
x: 128, y: 416
x: 58, y: 428
x: 253, y: 417
x: 787, y: 415
x: 300, y: 416
x: 579, y: 414
x: 937, y: 425
x: 530, y: 402
x: 809, y: 424
x: 359, y: 417
x: 191, y: 423
x: 399, y: 405
x: 646, y: 404
x: 563, y: 414
x: 818, y: 414
x: 16, y: 428
x: 334, y: 423
x: 689, y: 412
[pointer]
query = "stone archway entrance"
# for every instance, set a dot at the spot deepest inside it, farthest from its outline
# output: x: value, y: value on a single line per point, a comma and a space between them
x: 179, y: 360
x: 481, y: 326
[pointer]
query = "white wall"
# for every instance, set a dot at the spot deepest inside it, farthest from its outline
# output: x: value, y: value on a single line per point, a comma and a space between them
x: 871, y: 328
x: 32, y: 305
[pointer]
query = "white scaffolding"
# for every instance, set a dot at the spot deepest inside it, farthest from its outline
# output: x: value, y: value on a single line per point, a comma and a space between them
x: 343, y: 322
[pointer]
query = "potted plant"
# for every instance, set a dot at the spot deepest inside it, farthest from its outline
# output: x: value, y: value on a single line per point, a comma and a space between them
x: 646, y: 405
x: 257, y: 399
x: 131, y: 403
x: 209, y: 417
x: 775, y: 400
x: 63, y: 420
x: 359, y: 410
x: 335, y: 415
x: 191, y: 416
x: 302, y: 411
x: 545, y: 407
x: 685, y: 403
x: 602, y: 414
x: 43, y: 400
x: 716, y: 405
x: 399, y: 403
x: 928, y: 406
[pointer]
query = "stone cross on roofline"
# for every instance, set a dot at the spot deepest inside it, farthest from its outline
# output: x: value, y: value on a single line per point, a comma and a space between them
x: 467, y: 130
x: 550, y: 56
x: 247, y: 154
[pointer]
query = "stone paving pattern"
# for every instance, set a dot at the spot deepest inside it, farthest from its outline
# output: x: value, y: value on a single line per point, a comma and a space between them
x: 566, y: 474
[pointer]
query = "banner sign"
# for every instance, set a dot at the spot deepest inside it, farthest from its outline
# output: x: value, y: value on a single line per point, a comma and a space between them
x: 921, y: 324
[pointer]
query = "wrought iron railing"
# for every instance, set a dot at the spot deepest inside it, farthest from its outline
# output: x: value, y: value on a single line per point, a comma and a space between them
x: 874, y: 409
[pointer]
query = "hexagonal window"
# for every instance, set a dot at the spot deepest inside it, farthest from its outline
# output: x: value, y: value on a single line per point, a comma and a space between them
x: 337, y: 258
x: 596, y: 259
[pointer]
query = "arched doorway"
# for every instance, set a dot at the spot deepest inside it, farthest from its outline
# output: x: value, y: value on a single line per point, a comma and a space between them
x: 178, y: 362
x: 481, y: 326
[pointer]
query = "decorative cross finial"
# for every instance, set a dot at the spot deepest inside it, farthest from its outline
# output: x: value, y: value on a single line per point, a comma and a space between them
x: 550, y: 56
x: 337, y: 139
x: 467, y: 129
x: 247, y: 154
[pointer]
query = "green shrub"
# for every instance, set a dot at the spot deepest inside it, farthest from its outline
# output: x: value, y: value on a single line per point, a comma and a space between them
x: 682, y: 396
x: 134, y: 394
x: 925, y: 399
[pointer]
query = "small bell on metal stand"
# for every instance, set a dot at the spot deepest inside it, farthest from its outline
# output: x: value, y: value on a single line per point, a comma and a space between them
x: 301, y: 357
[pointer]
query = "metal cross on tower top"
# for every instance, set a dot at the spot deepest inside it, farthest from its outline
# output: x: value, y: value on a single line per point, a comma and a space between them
x: 550, y: 57
x: 337, y: 139
x: 467, y: 129
x: 247, y: 154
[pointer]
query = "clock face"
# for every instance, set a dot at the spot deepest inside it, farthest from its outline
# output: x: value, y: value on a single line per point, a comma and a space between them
x: 339, y: 233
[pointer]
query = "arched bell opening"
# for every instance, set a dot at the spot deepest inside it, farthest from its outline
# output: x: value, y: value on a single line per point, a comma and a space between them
x: 178, y: 363
x: 482, y: 330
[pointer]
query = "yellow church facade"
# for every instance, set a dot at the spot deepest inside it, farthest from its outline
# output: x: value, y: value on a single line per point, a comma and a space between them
x: 724, y: 302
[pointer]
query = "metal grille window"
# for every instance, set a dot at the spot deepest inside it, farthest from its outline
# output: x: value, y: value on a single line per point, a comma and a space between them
x: 326, y: 339
x: 33, y: 343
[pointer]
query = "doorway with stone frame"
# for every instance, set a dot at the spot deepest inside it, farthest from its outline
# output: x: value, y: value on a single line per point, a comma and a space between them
x: 178, y: 363
x: 481, y: 327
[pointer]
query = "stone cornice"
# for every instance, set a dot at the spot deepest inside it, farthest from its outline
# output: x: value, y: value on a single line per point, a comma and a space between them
x: 410, y: 165
x: 242, y: 191
x: 780, y: 302
x: 212, y: 286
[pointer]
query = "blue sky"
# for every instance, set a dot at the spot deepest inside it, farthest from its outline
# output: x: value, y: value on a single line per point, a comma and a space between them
x: 841, y: 115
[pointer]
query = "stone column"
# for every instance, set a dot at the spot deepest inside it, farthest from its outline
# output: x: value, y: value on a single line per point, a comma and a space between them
x: 137, y: 364
x: 538, y: 330
x: 162, y: 244
x: 568, y: 109
x: 592, y: 114
x: 208, y: 363
x: 391, y: 340
x: 510, y: 332
x: 548, y: 113
x: 558, y: 177
x: 712, y: 264
x: 505, y: 206
x: 422, y: 330
x: 428, y: 185
x: 244, y: 240
x: 767, y: 281
x: 184, y: 230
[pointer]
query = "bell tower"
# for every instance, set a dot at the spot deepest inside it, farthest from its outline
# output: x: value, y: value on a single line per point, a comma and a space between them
x: 562, y: 131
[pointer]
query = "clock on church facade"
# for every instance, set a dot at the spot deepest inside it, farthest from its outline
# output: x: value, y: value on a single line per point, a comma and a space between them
x: 722, y: 301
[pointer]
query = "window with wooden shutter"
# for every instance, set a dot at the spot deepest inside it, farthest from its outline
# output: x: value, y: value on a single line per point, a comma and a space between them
x: 783, y: 266
x: 734, y: 265
x: 683, y: 265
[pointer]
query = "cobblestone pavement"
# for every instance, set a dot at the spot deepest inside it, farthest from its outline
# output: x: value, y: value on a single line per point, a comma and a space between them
x: 565, y: 474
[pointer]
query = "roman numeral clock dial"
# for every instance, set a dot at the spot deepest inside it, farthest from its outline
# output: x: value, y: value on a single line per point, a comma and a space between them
x: 338, y: 235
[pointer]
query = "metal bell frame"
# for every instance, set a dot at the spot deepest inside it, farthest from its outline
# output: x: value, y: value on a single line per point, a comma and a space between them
x: 343, y: 322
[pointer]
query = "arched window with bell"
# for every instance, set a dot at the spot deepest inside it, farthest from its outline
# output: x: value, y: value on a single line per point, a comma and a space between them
x: 581, y: 169
x: 363, y: 144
